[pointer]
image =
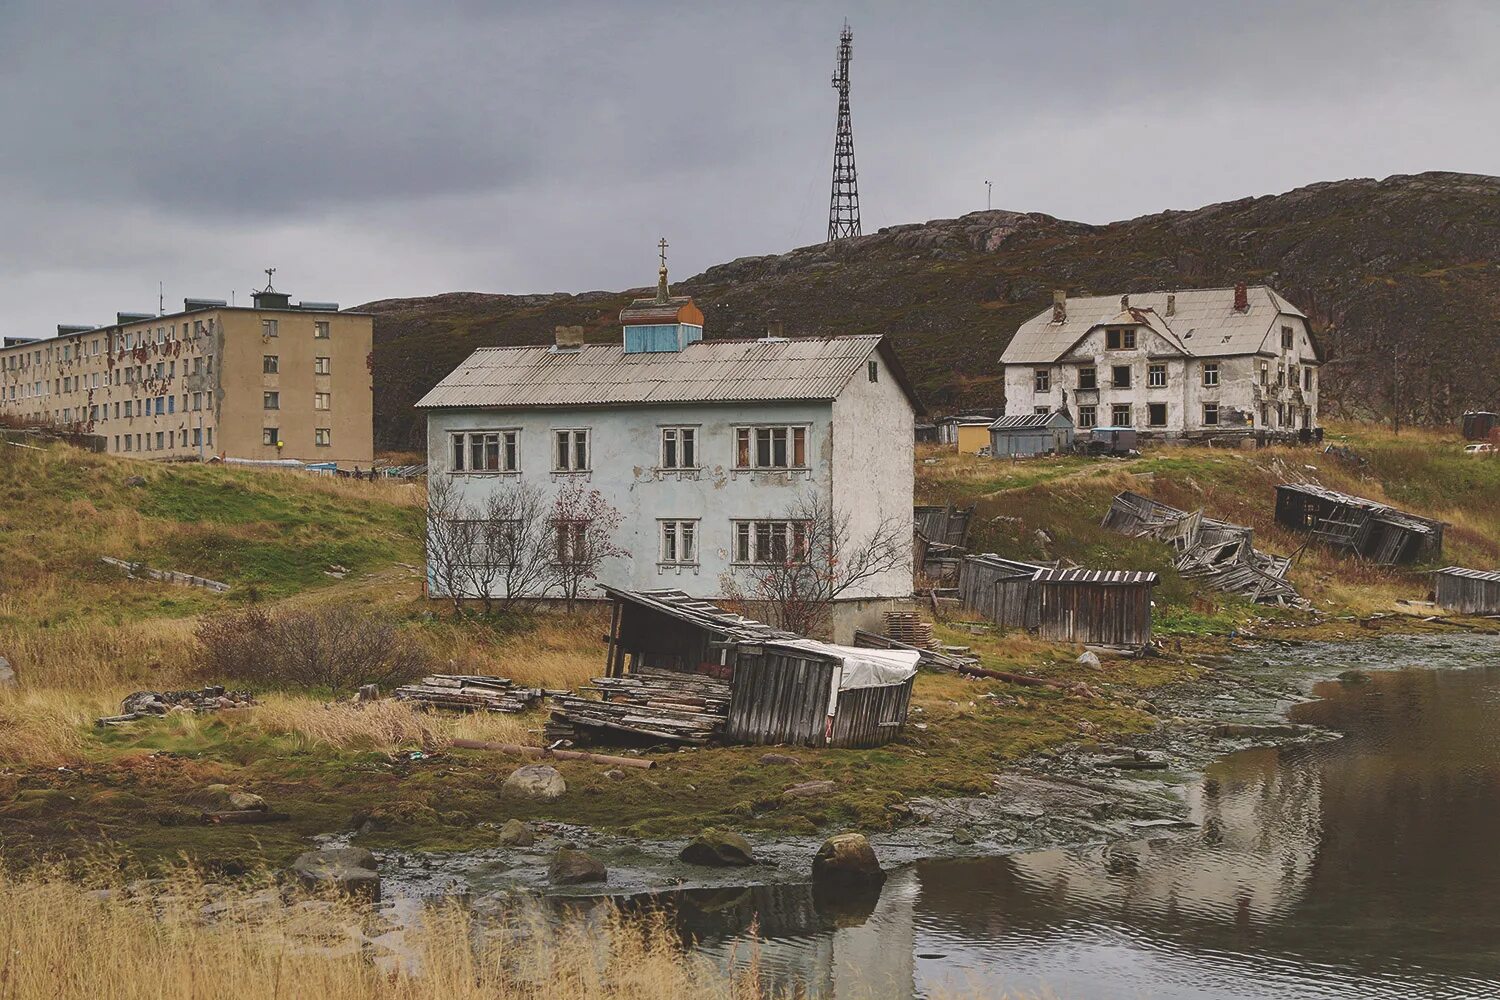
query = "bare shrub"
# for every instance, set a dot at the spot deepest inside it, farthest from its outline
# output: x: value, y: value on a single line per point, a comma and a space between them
x: 336, y: 648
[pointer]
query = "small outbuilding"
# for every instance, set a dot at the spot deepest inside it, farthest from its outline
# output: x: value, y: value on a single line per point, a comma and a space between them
x: 1468, y: 591
x: 969, y: 432
x: 1110, y: 607
x: 1000, y: 589
x: 1112, y: 440
x: 1357, y: 526
x: 1024, y: 435
x: 1480, y: 425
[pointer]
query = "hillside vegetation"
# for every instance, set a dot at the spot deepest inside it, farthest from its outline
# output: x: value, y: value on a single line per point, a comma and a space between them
x: 1398, y: 276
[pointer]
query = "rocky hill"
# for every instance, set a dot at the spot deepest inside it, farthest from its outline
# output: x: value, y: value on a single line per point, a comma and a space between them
x: 1401, y: 277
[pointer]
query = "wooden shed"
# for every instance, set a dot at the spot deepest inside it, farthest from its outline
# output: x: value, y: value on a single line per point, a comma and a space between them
x: 1358, y: 526
x: 1110, y: 607
x: 782, y: 688
x: 1027, y: 434
x: 1000, y: 589
x: 1469, y: 591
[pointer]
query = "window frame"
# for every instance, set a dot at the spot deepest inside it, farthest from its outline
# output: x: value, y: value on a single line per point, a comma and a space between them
x: 1091, y: 420
x: 1210, y: 374
x: 872, y: 370
x: 270, y: 399
x: 1152, y: 372
x: 506, y: 451
x: 322, y: 437
x: 270, y: 364
x: 1092, y: 373
x: 269, y: 436
x: 1041, y: 380
x: 1211, y: 407
x: 323, y: 398
x: 683, y: 438
x: 1151, y: 420
x: 1114, y: 377
x: 269, y: 328
x: 570, y: 464
x: 1115, y: 421
x: 1288, y: 338
x: 681, y: 535
x: 747, y: 534
x: 320, y: 329
x: 322, y: 365
x: 748, y: 447
x: 1119, y: 338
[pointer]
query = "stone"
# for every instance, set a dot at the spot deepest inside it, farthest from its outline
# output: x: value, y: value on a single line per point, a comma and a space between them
x: 223, y: 798
x: 718, y: 849
x: 143, y: 703
x: 574, y: 867
x: 351, y: 870
x: 516, y: 834
x: 847, y: 859
x: 963, y: 835
x: 7, y: 674
x: 779, y: 758
x: 615, y: 774
x: 809, y: 789
x: 369, y: 692
x: 246, y: 802
x: 541, y: 782
x: 1089, y: 659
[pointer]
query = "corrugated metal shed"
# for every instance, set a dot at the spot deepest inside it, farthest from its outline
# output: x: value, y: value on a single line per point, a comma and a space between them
x: 1491, y: 575
x: 1468, y: 591
x: 1203, y: 322
x: 804, y: 368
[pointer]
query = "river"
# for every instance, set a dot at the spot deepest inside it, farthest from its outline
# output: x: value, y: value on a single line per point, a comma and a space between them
x: 1365, y: 867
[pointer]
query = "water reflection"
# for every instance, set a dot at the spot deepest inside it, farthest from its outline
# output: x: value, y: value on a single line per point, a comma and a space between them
x: 1360, y: 868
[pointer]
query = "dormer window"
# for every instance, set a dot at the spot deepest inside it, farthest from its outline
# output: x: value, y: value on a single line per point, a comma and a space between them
x: 1119, y: 338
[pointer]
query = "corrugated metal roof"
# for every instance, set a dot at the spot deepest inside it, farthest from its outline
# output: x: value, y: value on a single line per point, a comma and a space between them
x: 802, y: 368
x: 1203, y: 322
x: 1024, y: 420
x: 1106, y: 577
x: 1490, y: 575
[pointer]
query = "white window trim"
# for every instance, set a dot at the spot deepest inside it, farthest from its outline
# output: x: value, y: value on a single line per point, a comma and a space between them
x: 1210, y: 375
x: 466, y: 434
x: 1154, y: 369
x: 755, y: 560
x: 791, y: 449
x: 588, y: 448
x: 661, y: 448
x: 676, y: 524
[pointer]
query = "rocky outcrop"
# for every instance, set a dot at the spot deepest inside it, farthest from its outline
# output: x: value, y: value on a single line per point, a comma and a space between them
x: 571, y: 866
x: 538, y: 782
x: 718, y: 849
x: 351, y: 870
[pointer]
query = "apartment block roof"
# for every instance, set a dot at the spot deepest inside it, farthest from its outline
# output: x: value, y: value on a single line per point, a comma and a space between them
x: 772, y: 369
x: 1203, y: 322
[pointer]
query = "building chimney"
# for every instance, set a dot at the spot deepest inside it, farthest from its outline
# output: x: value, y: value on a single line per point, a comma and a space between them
x: 1124, y: 303
x: 1171, y: 304
x: 1241, y: 298
x: 775, y: 330
x: 1060, y: 305
x: 568, y: 337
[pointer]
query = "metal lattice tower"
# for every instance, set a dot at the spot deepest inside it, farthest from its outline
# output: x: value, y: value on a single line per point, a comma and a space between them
x: 843, y: 203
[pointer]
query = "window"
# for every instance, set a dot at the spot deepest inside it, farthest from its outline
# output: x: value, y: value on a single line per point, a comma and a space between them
x: 268, y: 328
x: 679, y: 542
x: 320, y: 329
x: 1156, y: 414
x: 1210, y: 414
x: 1088, y: 416
x: 1119, y: 338
x: 270, y: 400
x: 160, y: 440
x: 872, y: 371
x: 271, y: 437
x: 1119, y: 415
x: 1156, y: 376
x: 572, y: 542
x: 128, y: 405
x: 1307, y: 379
x: 770, y: 448
x: 1088, y: 378
x: 679, y: 448
x: 1265, y: 373
x: 321, y: 400
x: 270, y: 364
x: 197, y: 435
x: 487, y: 451
x: 198, y: 366
x: 1043, y: 380
x: 322, y: 366
x: 770, y: 541
x: 322, y: 437
x: 1288, y: 338
x: 1210, y: 374
x: 570, y: 452
x: 1039, y: 410
x: 1265, y: 415
x: 197, y: 400
x: 1121, y: 377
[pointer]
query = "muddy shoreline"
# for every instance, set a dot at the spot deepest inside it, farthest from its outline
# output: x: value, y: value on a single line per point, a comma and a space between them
x: 1085, y: 792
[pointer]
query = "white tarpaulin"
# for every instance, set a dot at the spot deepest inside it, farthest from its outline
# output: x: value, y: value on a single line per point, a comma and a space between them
x: 861, y: 668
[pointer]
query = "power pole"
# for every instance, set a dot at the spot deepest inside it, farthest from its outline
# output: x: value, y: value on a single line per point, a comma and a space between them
x: 843, y: 203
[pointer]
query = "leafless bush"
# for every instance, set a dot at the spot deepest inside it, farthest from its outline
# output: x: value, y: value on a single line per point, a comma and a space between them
x: 335, y: 648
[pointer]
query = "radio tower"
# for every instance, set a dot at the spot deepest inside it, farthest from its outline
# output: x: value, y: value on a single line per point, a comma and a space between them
x: 843, y: 204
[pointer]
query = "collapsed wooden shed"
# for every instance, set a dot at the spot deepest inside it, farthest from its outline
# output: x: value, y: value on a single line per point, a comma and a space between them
x: 783, y: 688
x: 1468, y: 591
x: 1357, y: 526
x: 1000, y: 589
x: 1111, y: 607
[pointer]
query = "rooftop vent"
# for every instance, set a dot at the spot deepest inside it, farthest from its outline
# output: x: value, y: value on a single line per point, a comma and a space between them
x: 67, y: 329
x: 567, y: 338
x: 775, y: 333
x: 1060, y: 305
x: 123, y: 318
x: 193, y: 305
x: 322, y: 307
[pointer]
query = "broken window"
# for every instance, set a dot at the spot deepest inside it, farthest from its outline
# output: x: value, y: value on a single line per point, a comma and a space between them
x: 679, y: 542
x: 1043, y: 380
x: 1210, y: 374
x: 270, y: 400
x: 1265, y: 373
x: 322, y: 437
x: 572, y: 542
x: 872, y: 371
x: 770, y: 448
x: 571, y: 450
x: 270, y: 364
x: 1087, y: 416
x: 1307, y: 377
x: 1088, y: 378
x: 268, y: 328
x: 322, y: 366
x: 1121, y: 377
x: 679, y: 448
x: 1156, y: 376
x: 1156, y: 414
x: 320, y: 329
x: 1120, y: 338
x: 270, y: 436
x: 1210, y: 414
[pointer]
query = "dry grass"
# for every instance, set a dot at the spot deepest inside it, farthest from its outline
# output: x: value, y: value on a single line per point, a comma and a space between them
x: 383, y: 725
x: 554, y: 651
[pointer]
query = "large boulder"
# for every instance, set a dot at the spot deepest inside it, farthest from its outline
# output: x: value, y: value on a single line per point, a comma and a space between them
x: 573, y: 867
x: 352, y: 870
x: 718, y: 849
x: 539, y: 782
x: 516, y: 834
x: 847, y: 859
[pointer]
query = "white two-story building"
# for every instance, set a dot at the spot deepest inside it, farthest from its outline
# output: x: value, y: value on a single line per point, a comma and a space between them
x: 1201, y: 362
x: 702, y: 445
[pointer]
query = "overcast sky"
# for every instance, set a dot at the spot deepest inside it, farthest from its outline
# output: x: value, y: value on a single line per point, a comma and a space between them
x: 370, y: 150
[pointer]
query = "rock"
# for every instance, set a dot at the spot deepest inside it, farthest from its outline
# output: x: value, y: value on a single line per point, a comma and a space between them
x: 143, y: 703
x: 718, y: 849
x: 615, y: 774
x: 223, y: 798
x: 369, y: 692
x: 535, y: 781
x: 516, y: 834
x: 7, y: 674
x: 348, y: 869
x: 135, y: 481
x: 809, y: 789
x: 963, y: 836
x: 847, y: 859
x: 779, y: 758
x: 1089, y: 659
x: 1354, y: 677
x: 246, y: 802
x: 573, y: 867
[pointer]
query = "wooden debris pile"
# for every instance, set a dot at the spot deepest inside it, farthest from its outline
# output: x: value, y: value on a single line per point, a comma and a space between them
x: 909, y: 628
x: 469, y: 693
x: 1220, y: 554
x: 143, y: 704
x: 654, y: 704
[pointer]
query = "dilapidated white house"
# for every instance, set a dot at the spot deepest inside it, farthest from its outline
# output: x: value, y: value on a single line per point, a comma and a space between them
x: 1195, y: 363
x: 703, y: 446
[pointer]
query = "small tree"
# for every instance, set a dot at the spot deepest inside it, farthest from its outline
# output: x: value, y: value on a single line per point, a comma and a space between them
x: 448, y: 540
x: 517, y: 531
x: 815, y: 560
x: 583, y: 525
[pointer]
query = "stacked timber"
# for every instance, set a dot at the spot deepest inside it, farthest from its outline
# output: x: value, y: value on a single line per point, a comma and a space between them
x: 908, y: 627
x: 648, y: 703
x: 469, y: 693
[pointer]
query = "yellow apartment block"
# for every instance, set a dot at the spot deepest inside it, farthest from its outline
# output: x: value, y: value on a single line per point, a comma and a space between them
x: 273, y: 381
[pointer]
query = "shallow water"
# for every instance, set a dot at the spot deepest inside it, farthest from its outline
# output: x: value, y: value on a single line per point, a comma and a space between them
x: 1364, y: 867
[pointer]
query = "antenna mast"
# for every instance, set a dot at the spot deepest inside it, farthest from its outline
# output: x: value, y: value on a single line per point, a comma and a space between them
x: 843, y: 203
